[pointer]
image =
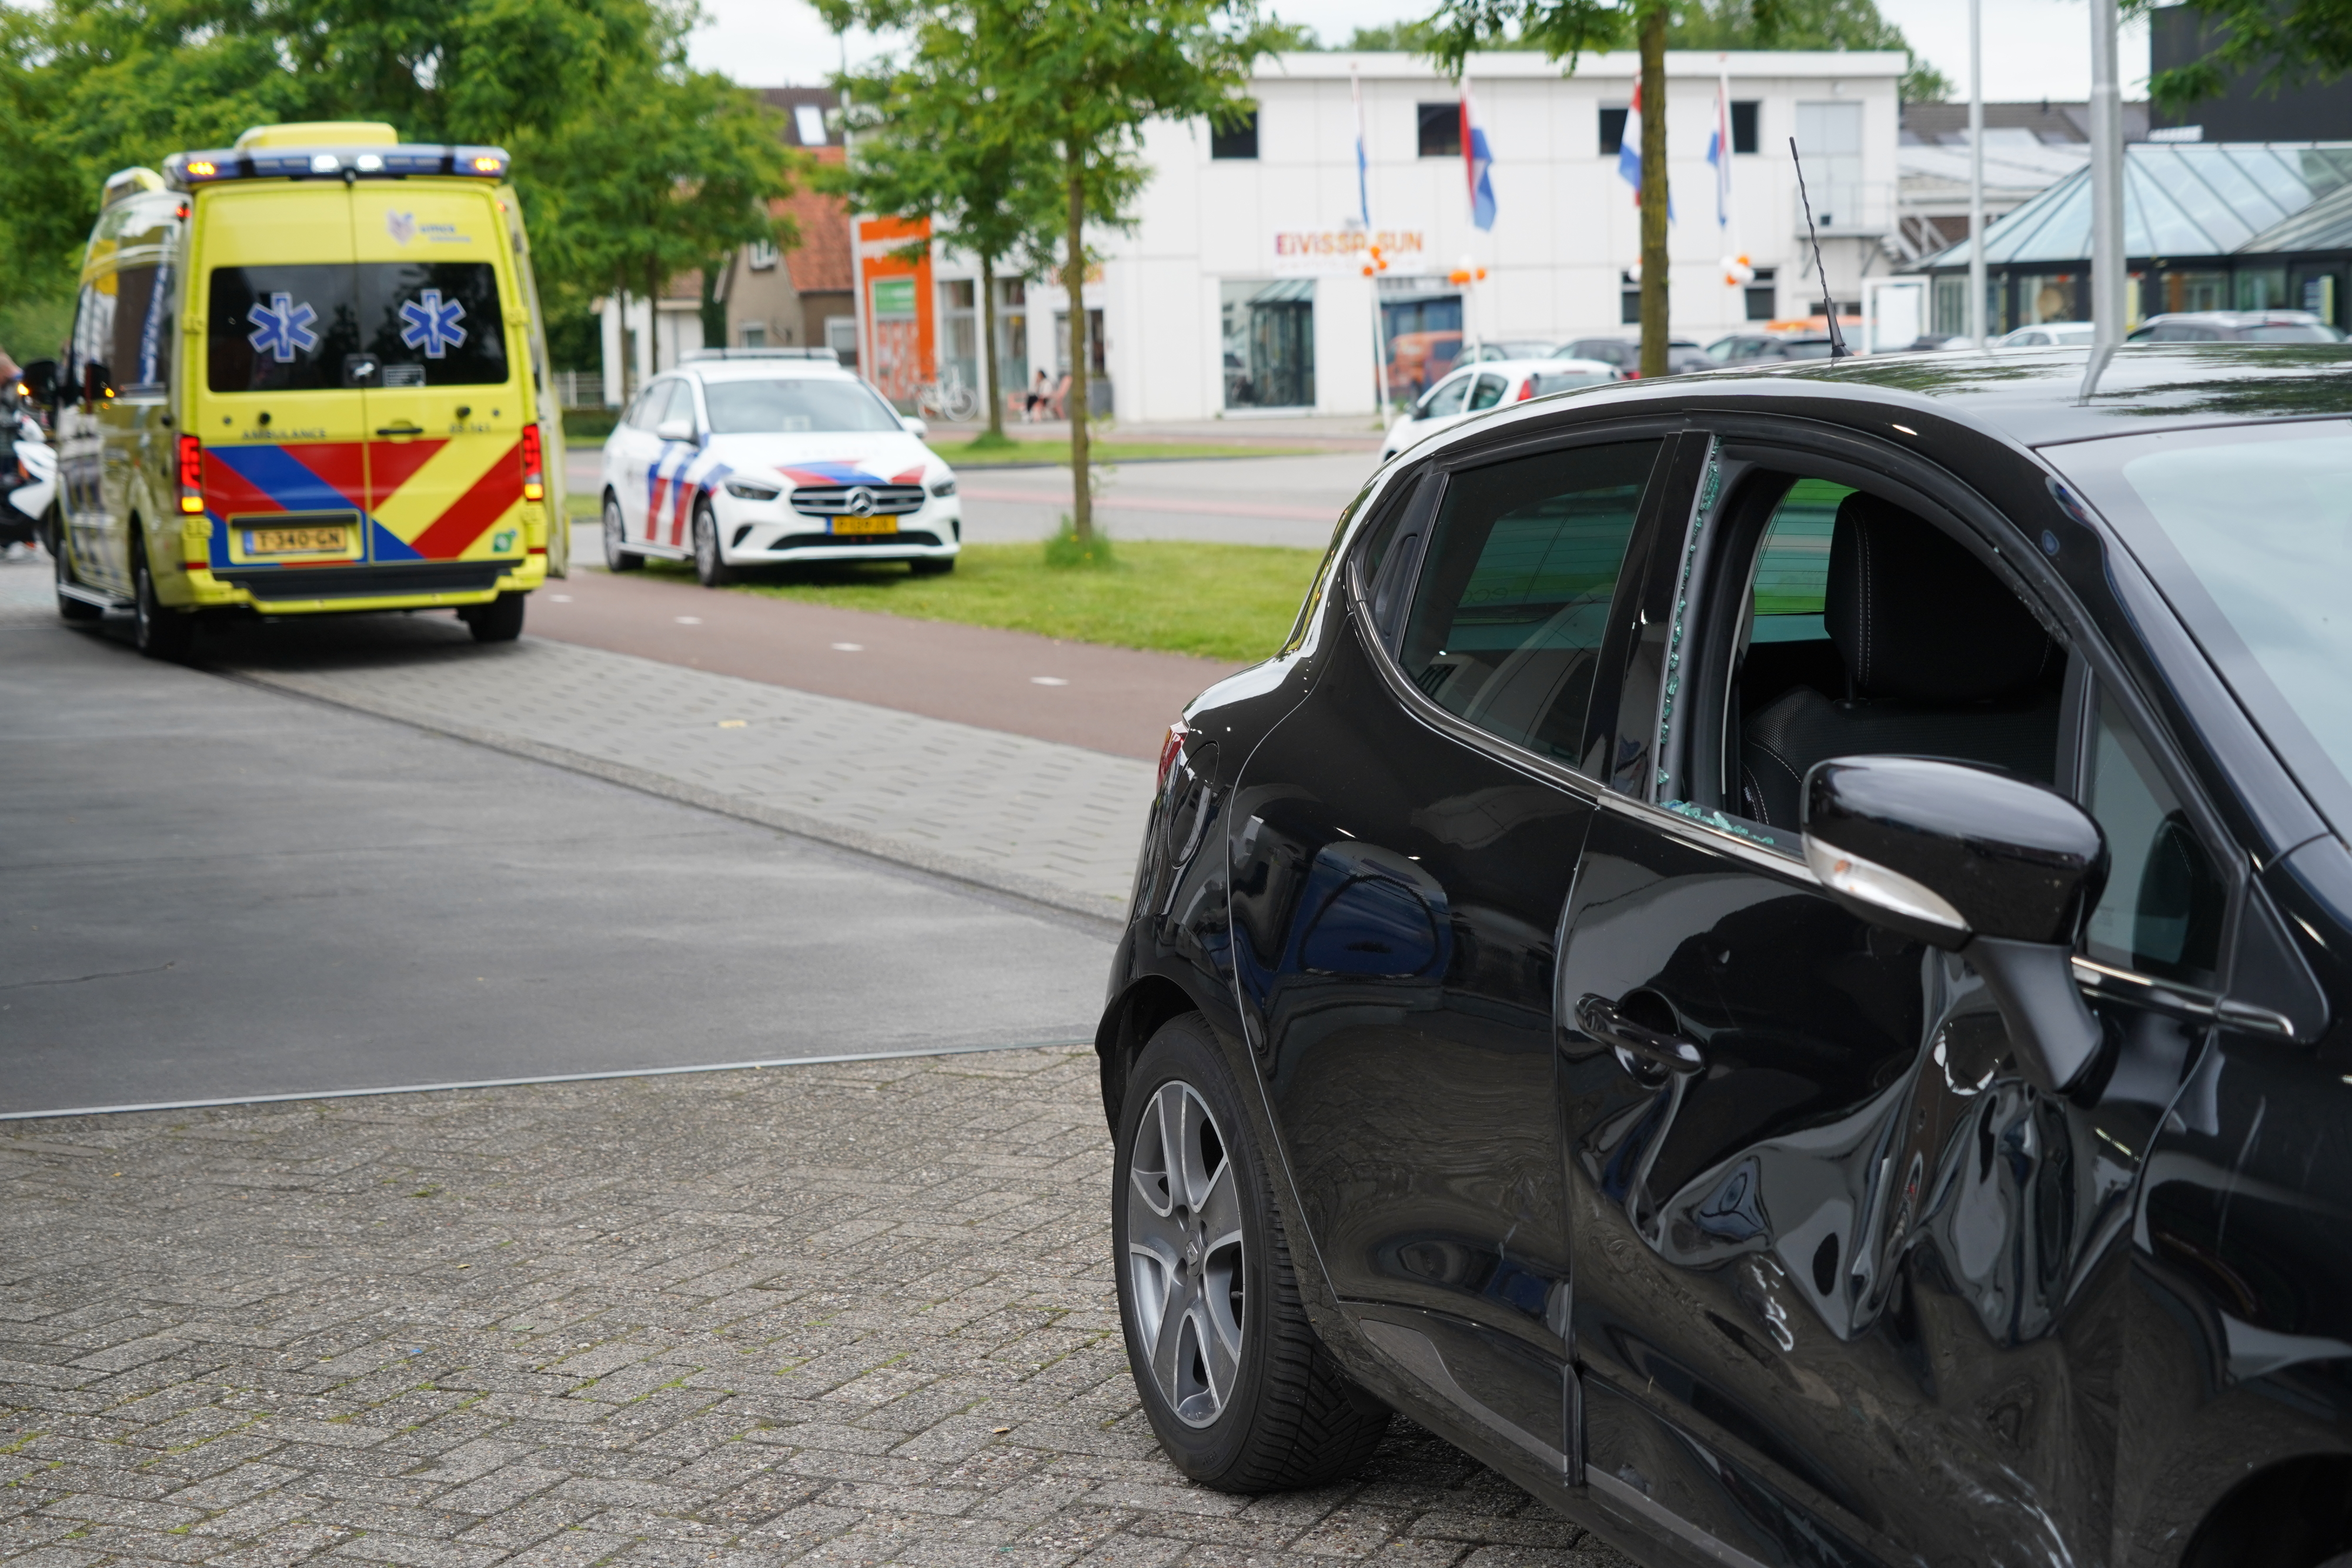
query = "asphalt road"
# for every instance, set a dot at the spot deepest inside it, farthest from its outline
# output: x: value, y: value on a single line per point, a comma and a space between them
x: 210, y: 891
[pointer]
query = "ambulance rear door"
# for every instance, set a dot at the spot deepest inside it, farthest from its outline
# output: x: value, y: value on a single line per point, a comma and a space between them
x: 275, y: 401
x: 447, y: 409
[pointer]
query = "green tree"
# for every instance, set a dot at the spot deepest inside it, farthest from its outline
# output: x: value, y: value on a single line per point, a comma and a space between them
x: 685, y: 165
x: 1084, y: 78
x: 940, y: 138
x: 2281, y: 42
x: 1568, y: 29
x: 88, y: 86
x: 1802, y: 25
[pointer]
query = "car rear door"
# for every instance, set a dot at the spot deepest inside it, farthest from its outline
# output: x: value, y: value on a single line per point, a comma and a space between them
x: 284, y: 449
x: 439, y: 315
x: 1403, y: 845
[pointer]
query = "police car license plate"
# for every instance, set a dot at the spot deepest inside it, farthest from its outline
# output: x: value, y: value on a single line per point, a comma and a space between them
x: 846, y: 524
x: 298, y: 541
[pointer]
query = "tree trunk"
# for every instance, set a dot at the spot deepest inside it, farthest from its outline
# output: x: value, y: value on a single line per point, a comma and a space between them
x: 653, y: 318
x: 1073, y: 277
x: 1653, y: 189
x: 988, y: 388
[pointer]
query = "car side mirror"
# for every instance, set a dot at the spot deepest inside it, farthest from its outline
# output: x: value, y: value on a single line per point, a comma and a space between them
x: 97, y: 383
x: 1993, y: 867
x: 921, y: 429
x: 675, y: 430
x: 39, y: 380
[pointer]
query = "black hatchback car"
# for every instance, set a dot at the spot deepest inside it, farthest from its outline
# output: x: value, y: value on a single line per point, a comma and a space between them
x: 1767, y: 960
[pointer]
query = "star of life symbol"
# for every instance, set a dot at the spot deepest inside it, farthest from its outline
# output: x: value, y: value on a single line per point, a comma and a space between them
x: 282, y: 328
x: 430, y: 322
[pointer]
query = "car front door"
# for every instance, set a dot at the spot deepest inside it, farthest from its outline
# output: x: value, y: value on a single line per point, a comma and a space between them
x: 1402, y: 846
x: 1849, y: 1288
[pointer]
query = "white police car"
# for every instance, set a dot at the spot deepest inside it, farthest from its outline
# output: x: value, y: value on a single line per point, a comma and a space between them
x: 754, y: 456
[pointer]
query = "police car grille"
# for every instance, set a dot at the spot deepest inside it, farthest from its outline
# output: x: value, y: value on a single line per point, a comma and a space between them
x: 832, y: 501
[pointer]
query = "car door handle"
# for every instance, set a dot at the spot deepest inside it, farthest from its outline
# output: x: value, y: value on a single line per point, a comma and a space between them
x: 1633, y: 1028
x: 404, y: 428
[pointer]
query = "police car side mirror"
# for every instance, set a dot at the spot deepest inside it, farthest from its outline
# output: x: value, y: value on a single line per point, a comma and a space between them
x: 921, y: 429
x: 1996, y: 868
x: 675, y: 430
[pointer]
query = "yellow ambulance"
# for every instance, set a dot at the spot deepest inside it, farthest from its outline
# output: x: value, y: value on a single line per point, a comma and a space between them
x: 307, y: 376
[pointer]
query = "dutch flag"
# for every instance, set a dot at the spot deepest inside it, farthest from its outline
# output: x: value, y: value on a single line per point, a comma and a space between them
x: 1629, y: 153
x: 1479, y: 160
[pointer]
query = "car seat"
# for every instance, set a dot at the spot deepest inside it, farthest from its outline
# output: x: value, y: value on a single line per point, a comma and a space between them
x: 1943, y: 659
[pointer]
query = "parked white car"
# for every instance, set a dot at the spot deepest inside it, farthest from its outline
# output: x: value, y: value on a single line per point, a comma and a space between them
x: 2048, y: 335
x: 746, y: 456
x: 1473, y: 389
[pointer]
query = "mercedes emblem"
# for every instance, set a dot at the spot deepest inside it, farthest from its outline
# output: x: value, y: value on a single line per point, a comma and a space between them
x: 859, y: 502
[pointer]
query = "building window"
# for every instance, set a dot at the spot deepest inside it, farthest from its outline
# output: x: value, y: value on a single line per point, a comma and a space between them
x: 808, y: 120
x: 1829, y: 139
x: 760, y: 254
x: 1761, y: 296
x: 1613, y: 130
x: 841, y: 337
x: 1268, y: 330
x: 1236, y: 138
x: 1743, y: 126
x: 1629, y: 300
x: 1441, y: 130
x: 755, y: 334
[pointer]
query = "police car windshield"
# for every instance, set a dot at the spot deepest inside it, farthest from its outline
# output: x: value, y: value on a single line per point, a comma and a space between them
x: 786, y: 406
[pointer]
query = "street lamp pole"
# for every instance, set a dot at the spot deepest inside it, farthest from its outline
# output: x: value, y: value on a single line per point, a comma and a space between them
x: 2107, y: 279
x: 1976, y: 173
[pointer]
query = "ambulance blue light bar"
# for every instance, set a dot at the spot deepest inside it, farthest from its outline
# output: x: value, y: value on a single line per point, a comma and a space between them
x: 186, y: 171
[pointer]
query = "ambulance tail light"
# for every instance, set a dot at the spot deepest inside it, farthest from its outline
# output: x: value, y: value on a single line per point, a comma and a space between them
x: 534, y: 473
x: 192, y: 475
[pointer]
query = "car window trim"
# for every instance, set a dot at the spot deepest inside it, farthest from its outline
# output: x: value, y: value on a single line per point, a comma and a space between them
x: 1812, y: 442
x: 1440, y: 469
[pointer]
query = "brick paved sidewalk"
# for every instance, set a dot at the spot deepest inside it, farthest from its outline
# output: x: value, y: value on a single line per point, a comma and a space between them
x: 837, y: 1315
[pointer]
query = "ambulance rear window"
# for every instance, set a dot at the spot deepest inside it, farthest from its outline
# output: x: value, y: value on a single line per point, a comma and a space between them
x: 389, y: 324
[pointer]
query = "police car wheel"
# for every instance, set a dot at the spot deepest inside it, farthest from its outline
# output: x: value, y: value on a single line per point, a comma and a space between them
x: 161, y: 633
x: 710, y: 567
x: 499, y: 621
x: 615, y: 531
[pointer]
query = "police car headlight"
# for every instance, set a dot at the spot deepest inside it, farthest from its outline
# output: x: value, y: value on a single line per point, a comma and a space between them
x: 752, y: 490
x: 944, y: 487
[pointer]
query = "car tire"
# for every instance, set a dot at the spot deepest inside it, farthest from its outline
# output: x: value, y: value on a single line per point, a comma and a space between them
x: 617, y: 532
x: 1244, y: 1397
x: 499, y: 621
x: 70, y: 609
x: 159, y: 633
x: 710, y: 567
x: 931, y: 566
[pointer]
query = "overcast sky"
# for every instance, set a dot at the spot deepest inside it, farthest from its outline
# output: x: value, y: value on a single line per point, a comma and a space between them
x: 2033, y: 48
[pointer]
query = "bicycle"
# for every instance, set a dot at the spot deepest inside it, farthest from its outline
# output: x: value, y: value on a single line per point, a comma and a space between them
x: 947, y: 398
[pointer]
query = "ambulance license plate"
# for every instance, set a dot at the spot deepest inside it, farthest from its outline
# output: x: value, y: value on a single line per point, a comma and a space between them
x: 866, y: 525
x: 298, y: 541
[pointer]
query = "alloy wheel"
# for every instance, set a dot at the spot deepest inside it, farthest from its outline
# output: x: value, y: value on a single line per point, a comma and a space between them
x: 1186, y: 1255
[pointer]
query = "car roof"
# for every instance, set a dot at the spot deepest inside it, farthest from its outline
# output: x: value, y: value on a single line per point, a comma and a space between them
x: 1548, y: 363
x: 2030, y: 397
x: 2281, y: 317
x: 765, y: 370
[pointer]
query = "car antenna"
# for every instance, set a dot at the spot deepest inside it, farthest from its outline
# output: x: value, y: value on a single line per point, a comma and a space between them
x: 1838, y: 351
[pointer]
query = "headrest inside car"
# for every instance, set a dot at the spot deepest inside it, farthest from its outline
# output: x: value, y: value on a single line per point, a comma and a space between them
x: 1916, y: 616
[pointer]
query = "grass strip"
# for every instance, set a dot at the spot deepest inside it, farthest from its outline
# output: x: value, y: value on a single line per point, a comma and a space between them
x: 1219, y: 602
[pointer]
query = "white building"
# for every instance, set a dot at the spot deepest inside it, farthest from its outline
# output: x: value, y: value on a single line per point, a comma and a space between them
x: 1241, y: 289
